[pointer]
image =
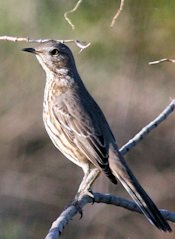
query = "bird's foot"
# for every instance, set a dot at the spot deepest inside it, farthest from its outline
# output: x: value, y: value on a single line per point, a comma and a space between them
x: 88, y: 192
x: 91, y: 195
x: 76, y: 204
x: 78, y: 197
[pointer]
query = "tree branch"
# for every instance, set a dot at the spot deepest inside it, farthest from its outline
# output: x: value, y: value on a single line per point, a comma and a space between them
x: 148, y: 128
x: 66, y: 216
x: 82, y: 45
x: 161, y: 60
x: 117, y: 13
x: 71, y: 11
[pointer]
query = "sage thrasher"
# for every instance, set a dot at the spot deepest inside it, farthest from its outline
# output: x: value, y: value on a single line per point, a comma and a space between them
x: 78, y: 128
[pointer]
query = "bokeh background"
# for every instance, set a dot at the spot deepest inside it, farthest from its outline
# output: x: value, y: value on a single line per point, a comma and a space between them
x: 36, y: 181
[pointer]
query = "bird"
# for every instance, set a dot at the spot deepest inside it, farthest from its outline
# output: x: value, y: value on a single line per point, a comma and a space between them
x: 78, y: 128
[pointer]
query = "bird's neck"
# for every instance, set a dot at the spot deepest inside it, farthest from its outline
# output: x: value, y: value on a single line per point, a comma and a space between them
x: 61, y: 77
x: 57, y: 83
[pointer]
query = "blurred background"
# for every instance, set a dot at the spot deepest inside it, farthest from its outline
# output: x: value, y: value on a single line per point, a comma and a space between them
x: 36, y: 181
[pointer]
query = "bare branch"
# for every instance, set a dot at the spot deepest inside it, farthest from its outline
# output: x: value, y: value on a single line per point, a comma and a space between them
x: 78, y: 4
x: 22, y: 39
x: 82, y: 45
x: 161, y: 60
x: 148, y: 128
x: 71, y: 11
x: 117, y: 13
x: 67, y: 215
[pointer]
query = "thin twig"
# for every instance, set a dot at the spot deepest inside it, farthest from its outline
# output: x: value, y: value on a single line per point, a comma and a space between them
x: 161, y: 60
x: 117, y: 13
x: 66, y: 216
x: 82, y: 45
x: 148, y: 128
x: 71, y: 11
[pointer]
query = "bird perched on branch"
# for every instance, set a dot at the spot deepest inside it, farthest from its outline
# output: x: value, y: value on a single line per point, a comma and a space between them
x: 79, y: 129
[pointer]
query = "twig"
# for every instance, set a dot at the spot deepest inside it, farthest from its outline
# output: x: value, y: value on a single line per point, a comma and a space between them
x: 71, y: 11
x: 148, y: 128
x: 67, y: 215
x: 78, y: 4
x: 117, y: 13
x: 82, y: 45
x: 161, y: 60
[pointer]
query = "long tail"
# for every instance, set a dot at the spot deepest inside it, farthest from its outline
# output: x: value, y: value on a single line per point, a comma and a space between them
x: 122, y: 172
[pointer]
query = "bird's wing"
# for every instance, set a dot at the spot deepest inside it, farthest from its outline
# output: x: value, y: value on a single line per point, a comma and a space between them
x: 84, y: 132
x: 81, y: 131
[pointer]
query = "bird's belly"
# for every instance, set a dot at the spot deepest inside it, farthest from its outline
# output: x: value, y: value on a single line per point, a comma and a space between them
x: 62, y: 143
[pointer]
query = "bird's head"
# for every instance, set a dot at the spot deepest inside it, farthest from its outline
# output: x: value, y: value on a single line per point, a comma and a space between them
x: 54, y: 57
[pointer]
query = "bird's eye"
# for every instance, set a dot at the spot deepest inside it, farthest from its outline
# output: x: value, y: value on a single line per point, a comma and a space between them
x: 54, y: 52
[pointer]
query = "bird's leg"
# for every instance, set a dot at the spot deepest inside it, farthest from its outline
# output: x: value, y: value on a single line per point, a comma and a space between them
x: 85, y: 186
x: 90, y: 174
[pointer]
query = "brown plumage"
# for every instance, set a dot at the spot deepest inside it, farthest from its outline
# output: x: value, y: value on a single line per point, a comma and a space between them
x: 78, y: 128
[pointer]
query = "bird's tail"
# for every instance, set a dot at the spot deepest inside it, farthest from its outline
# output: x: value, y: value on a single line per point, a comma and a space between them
x: 122, y: 172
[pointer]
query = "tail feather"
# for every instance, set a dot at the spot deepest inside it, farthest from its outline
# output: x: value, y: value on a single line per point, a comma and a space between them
x: 122, y: 172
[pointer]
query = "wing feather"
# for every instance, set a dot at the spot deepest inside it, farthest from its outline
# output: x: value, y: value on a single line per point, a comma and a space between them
x: 86, y: 138
x: 86, y: 135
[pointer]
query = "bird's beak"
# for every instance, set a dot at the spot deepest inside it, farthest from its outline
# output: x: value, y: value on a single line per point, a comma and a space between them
x: 31, y: 50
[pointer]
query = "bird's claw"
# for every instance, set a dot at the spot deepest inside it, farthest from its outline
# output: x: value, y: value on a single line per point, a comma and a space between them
x: 88, y: 192
x: 78, y: 208
x: 76, y: 204
x: 91, y: 195
x: 78, y: 197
